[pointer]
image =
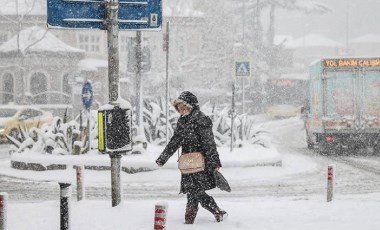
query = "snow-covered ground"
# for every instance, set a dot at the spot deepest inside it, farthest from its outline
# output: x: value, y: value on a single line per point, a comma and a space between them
x: 292, y: 196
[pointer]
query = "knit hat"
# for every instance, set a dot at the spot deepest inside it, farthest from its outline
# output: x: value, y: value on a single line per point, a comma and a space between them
x: 187, y: 98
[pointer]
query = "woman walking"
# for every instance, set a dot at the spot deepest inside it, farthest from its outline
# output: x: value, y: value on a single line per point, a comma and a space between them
x: 194, y: 134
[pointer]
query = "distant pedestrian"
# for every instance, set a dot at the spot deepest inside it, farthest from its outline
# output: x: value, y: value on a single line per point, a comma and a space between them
x: 194, y: 134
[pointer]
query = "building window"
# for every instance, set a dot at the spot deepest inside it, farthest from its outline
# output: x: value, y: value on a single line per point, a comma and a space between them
x: 8, y: 87
x: 124, y: 44
x: 89, y: 42
x: 38, y: 88
x: 4, y: 37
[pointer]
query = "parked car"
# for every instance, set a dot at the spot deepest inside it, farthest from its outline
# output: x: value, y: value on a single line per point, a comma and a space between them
x: 283, y: 111
x: 16, y: 117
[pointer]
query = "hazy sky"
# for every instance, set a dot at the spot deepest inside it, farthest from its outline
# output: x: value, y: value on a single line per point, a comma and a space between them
x: 363, y: 16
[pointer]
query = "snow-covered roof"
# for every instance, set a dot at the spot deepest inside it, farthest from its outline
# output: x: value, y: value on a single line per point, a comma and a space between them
x: 313, y: 40
x: 36, y: 39
x: 23, y: 7
x: 282, y: 39
x: 179, y: 8
x: 312, y: 6
x: 368, y: 38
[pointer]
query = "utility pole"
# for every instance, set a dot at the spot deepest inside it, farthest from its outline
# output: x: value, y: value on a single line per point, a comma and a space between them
x: 113, y: 78
x: 139, y: 96
x: 347, y: 26
x: 166, y: 48
x: 232, y: 116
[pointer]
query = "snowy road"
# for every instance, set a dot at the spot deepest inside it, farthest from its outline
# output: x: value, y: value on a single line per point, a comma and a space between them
x: 289, y: 138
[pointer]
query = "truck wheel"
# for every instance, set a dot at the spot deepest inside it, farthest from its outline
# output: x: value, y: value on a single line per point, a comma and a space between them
x: 309, y: 141
x: 310, y: 144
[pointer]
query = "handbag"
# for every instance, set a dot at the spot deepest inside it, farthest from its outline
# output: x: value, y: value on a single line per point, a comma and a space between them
x: 191, y: 163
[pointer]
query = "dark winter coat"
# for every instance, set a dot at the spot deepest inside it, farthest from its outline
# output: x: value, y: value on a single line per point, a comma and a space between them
x: 194, y: 134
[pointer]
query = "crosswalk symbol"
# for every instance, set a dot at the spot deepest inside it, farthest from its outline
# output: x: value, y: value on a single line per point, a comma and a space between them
x: 242, y: 69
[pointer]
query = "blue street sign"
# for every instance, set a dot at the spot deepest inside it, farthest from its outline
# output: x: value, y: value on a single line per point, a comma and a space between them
x: 91, y: 14
x: 242, y: 68
x: 87, y: 95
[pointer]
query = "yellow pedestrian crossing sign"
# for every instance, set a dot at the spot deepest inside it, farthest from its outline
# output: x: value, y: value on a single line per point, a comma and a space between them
x: 242, y: 69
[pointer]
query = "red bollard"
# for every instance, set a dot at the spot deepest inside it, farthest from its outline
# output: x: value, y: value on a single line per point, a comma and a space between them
x: 80, y: 180
x: 3, y: 210
x: 160, y: 216
x: 330, y: 182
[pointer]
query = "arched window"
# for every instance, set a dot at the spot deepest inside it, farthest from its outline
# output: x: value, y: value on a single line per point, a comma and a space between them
x: 67, y: 89
x: 38, y: 88
x: 8, y: 88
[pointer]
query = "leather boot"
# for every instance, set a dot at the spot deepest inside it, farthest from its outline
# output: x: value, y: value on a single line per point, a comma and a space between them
x: 190, y: 215
x: 210, y: 205
x: 220, y: 215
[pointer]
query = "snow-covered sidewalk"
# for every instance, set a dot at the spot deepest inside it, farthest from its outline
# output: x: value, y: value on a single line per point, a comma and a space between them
x: 264, y: 213
x: 247, y: 209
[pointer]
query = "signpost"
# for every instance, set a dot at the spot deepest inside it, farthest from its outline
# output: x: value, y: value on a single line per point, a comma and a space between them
x: 87, y: 96
x: 110, y: 15
x: 242, y: 69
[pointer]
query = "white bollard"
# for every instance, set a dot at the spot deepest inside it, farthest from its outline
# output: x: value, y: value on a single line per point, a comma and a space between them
x: 3, y: 210
x: 330, y: 182
x: 160, y: 216
x: 80, y: 182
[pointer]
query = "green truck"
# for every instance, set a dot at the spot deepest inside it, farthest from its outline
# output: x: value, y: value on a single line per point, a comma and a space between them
x: 343, y: 106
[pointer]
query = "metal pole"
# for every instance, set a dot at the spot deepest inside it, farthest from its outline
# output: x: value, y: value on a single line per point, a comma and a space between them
x: 347, y: 26
x: 65, y: 205
x: 167, y: 81
x: 113, y: 77
x: 243, y: 15
x: 243, y: 95
x: 113, y: 49
x: 80, y: 187
x: 232, y: 116
x: 88, y: 130
x: 138, y: 80
x: 115, y: 178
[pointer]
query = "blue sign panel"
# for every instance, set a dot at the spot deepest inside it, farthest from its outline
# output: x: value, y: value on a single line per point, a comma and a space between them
x: 87, y: 95
x: 91, y: 14
x: 242, y: 68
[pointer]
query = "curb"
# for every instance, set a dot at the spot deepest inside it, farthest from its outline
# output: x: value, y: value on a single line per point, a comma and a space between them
x: 39, y: 167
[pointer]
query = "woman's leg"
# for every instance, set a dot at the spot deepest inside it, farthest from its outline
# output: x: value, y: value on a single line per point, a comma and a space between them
x: 209, y: 204
x: 191, y: 208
